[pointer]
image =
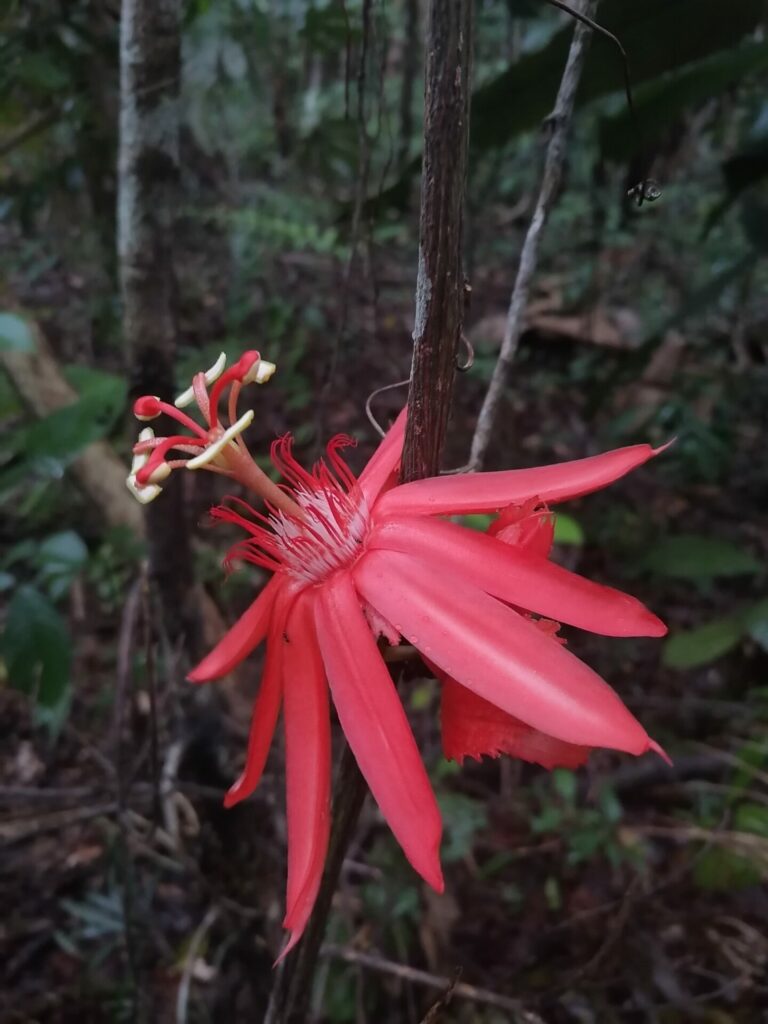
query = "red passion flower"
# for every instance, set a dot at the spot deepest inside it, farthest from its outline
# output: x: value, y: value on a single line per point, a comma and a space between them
x: 355, y: 559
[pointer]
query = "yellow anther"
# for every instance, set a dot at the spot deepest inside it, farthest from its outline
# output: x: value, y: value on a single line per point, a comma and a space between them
x: 142, y: 492
x: 140, y: 459
x: 188, y: 396
x: 161, y: 472
x: 260, y: 372
x: 221, y: 443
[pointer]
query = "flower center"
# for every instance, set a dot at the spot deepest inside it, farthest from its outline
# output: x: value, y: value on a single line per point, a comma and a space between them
x: 330, y: 536
x: 327, y: 531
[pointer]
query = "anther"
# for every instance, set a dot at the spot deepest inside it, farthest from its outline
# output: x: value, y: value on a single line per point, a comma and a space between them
x: 210, y: 453
x: 187, y: 397
x: 142, y: 492
x: 260, y: 372
x: 161, y: 472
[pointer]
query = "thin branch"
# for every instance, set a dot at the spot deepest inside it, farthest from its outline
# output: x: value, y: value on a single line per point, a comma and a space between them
x: 559, y: 123
x: 182, y: 998
x: 596, y: 27
x: 28, y: 130
x: 411, y: 974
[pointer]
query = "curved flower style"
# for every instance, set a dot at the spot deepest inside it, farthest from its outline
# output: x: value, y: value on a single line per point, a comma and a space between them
x: 354, y: 559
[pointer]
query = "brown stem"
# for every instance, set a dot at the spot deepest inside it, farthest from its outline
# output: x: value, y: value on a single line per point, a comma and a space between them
x: 439, y: 306
x: 440, y: 282
x: 293, y: 992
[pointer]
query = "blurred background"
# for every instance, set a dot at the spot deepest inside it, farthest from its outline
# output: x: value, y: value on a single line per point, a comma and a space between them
x: 624, y: 892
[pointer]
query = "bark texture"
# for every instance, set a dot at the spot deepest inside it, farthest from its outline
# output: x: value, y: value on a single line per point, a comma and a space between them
x: 148, y: 177
x: 440, y: 281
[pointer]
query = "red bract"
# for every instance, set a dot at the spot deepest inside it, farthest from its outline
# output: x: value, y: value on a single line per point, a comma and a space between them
x: 357, y: 558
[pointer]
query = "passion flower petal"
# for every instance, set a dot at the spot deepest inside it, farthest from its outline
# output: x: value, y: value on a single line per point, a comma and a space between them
x: 517, y: 577
x: 267, y: 706
x: 308, y: 765
x: 473, y: 727
x: 465, y: 493
x: 242, y: 639
x: 496, y: 653
x: 376, y: 728
x: 384, y: 461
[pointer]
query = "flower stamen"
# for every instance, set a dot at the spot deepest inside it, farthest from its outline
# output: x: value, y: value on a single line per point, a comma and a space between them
x: 209, y: 376
x: 223, y: 448
x: 215, y: 449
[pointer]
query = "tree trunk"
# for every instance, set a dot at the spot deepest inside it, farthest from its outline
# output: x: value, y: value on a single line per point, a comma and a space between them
x: 440, y: 281
x: 148, y: 178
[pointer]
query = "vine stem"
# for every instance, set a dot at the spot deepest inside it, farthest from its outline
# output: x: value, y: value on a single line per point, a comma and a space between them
x: 292, y: 994
x: 437, y: 332
x: 559, y: 122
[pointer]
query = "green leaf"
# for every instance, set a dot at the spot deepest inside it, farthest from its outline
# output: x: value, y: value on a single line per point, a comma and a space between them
x: 60, y: 558
x: 660, y: 36
x: 37, y: 649
x: 47, y: 446
x: 475, y: 521
x: 15, y: 334
x: 567, y: 530
x: 661, y: 102
x: 464, y: 817
x: 756, y: 623
x: 750, y: 817
x: 692, y: 557
x: 721, y: 869
x: 706, y: 643
x: 565, y: 784
x: 702, y: 645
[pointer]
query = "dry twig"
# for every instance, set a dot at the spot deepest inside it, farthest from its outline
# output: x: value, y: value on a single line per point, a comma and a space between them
x: 185, y: 985
x: 559, y: 122
x: 520, y: 1015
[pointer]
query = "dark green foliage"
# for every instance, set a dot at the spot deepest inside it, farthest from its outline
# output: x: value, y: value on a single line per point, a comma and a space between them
x: 660, y: 36
x: 37, y: 651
